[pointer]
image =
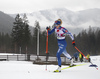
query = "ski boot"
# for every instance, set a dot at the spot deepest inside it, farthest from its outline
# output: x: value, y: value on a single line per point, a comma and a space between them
x: 58, y: 69
x: 71, y: 64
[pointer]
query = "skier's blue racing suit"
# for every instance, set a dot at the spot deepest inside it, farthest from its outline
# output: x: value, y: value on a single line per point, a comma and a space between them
x: 60, y: 32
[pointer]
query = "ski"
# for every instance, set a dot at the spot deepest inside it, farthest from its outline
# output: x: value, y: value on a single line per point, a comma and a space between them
x: 56, y: 71
x: 73, y: 66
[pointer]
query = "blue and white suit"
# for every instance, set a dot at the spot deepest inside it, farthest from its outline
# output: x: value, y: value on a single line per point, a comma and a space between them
x: 60, y: 32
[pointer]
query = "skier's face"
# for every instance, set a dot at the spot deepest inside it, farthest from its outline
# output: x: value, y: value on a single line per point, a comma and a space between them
x: 57, y: 26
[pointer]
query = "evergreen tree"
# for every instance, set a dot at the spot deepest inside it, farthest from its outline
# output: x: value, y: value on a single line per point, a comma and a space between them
x: 26, y: 32
x: 20, y: 32
x: 98, y: 43
x: 17, y: 32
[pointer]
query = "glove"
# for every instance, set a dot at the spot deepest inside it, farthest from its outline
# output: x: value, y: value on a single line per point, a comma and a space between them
x: 73, y: 43
x: 63, y: 35
x: 47, y: 28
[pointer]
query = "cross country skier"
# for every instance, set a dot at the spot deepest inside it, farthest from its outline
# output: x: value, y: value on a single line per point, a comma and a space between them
x: 61, y: 31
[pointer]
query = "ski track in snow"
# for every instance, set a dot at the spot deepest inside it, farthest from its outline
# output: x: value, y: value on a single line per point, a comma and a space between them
x: 27, y: 70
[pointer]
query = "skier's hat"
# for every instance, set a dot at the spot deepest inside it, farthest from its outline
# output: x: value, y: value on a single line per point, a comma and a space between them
x: 58, y: 22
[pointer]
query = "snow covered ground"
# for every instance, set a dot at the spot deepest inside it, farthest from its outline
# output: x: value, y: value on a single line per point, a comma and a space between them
x: 27, y: 70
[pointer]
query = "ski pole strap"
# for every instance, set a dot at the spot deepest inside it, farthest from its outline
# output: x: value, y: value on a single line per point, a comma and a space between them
x: 81, y: 52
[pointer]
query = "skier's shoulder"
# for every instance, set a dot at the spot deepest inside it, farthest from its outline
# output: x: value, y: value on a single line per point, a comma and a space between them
x: 64, y: 29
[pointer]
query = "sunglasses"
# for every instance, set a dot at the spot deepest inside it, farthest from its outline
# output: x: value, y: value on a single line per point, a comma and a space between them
x: 56, y: 25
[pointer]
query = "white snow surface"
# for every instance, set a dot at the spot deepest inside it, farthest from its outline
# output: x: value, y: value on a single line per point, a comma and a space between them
x: 27, y: 70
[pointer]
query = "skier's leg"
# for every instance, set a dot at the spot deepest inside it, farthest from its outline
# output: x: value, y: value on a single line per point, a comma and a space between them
x: 68, y: 56
x: 62, y: 45
x: 59, y: 52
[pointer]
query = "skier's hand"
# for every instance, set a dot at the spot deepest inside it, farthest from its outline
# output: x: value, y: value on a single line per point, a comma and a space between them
x: 73, y: 43
x: 63, y: 35
x: 47, y: 28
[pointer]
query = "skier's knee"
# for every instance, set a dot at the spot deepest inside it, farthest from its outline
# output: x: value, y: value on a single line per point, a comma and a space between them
x: 58, y: 55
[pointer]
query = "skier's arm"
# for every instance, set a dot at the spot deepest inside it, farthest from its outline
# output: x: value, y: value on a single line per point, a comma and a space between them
x: 67, y: 32
x: 71, y: 35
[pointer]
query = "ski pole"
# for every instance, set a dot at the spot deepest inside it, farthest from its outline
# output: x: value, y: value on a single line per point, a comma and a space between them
x: 84, y: 56
x: 47, y: 43
x: 46, y: 49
